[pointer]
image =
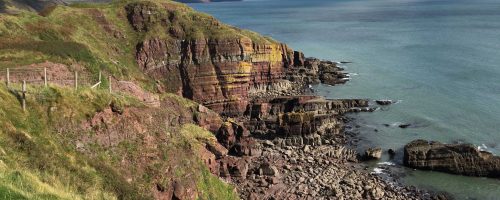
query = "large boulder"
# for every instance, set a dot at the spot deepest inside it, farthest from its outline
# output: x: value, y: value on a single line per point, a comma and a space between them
x: 383, y: 102
x: 463, y: 159
x: 233, y: 167
x: 268, y: 170
x: 373, y: 153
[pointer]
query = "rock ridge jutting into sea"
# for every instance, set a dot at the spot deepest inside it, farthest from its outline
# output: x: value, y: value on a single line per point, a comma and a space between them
x: 463, y: 159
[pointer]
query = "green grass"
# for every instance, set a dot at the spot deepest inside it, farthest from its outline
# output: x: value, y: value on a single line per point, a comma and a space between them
x: 38, y: 159
x: 36, y: 164
x: 212, y: 188
x: 56, y: 48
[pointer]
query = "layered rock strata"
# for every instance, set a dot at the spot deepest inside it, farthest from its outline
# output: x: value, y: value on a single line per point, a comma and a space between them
x: 299, y: 120
x: 463, y: 159
x: 222, y: 73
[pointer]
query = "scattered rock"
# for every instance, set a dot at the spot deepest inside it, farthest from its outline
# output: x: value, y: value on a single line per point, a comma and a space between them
x: 217, y: 149
x: 383, y: 102
x: 373, y: 153
x: 404, y: 125
x: 117, y: 107
x: 377, y: 193
x: 391, y: 152
x: 307, y: 148
x: 202, y: 109
x: 269, y: 170
x: 268, y: 143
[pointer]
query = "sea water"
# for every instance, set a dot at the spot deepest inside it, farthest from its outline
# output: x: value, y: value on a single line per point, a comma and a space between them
x: 440, y: 59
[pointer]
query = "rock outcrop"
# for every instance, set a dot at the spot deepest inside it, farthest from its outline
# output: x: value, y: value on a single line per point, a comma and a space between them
x: 463, y: 159
x: 216, y: 73
x: 384, y: 102
x: 373, y: 153
x: 299, y: 120
x: 222, y: 72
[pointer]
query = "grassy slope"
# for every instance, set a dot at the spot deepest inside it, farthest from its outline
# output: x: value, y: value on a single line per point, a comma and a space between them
x: 38, y: 162
x: 35, y: 164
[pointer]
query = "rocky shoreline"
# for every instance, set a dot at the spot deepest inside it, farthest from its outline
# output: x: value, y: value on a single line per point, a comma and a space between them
x: 296, y: 148
x: 277, y: 140
x: 193, y: 78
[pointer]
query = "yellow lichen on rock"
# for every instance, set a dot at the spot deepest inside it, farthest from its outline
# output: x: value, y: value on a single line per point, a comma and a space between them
x: 244, y: 67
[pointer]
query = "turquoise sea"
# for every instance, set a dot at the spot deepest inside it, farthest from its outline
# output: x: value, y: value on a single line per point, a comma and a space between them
x: 439, y: 58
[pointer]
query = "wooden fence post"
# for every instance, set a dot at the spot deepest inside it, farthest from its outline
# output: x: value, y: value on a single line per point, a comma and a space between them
x: 76, y: 80
x: 110, y: 90
x: 23, y: 97
x: 100, y: 79
x: 8, y: 77
x: 45, y: 76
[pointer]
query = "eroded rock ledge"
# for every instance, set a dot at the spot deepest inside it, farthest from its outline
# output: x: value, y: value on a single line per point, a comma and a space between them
x: 463, y: 159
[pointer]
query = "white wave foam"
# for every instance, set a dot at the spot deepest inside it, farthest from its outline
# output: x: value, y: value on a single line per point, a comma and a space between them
x: 371, y: 126
x: 396, y: 123
x: 482, y: 147
x: 377, y: 170
x: 386, y: 163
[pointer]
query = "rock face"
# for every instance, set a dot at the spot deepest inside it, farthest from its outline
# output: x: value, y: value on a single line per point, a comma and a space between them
x: 222, y: 73
x: 383, y: 102
x: 299, y: 120
x: 463, y: 159
x: 216, y: 73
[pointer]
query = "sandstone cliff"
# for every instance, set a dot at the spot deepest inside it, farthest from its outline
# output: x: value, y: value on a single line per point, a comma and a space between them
x: 209, y: 62
x: 213, y: 64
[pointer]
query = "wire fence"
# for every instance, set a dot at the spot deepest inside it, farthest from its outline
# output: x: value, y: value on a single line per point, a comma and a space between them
x: 28, y: 80
x: 44, y: 76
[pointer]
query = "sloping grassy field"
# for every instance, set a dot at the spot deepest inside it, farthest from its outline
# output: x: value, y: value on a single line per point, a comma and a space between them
x: 39, y: 161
